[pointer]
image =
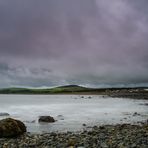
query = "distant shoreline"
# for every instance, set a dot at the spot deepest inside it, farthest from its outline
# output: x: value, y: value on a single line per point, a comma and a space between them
x: 134, y: 93
x: 118, y: 135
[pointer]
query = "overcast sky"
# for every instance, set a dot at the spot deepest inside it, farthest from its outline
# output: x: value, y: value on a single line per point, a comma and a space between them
x: 46, y: 43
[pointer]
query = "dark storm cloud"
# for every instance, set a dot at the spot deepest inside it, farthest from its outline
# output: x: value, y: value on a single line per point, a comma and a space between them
x: 88, y: 42
x: 40, y: 27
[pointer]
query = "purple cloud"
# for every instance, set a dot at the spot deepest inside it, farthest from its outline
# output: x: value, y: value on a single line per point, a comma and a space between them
x: 87, y: 42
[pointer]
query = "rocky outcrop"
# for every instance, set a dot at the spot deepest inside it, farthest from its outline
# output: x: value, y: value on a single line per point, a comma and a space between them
x: 48, y: 119
x: 11, y: 128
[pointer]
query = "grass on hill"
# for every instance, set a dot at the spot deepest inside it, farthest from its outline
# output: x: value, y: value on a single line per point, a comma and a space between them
x: 60, y: 89
x: 68, y: 89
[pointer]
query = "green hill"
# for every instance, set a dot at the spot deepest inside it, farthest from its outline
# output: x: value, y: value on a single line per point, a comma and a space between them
x: 74, y: 89
x: 60, y: 89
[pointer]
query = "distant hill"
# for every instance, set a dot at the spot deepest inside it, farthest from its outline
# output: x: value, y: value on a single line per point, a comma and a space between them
x: 68, y: 89
x: 71, y: 86
x: 60, y: 89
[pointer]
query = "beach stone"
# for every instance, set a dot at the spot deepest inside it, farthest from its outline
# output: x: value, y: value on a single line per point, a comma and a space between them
x: 4, y: 114
x: 133, y: 145
x: 11, y: 128
x: 136, y: 114
x: 104, y: 145
x: 71, y: 142
x: 84, y: 124
x: 60, y: 117
x: 48, y: 119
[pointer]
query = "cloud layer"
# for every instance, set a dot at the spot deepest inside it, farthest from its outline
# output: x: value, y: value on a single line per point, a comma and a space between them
x: 87, y: 42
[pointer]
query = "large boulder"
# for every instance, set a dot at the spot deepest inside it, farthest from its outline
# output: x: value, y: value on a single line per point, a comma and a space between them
x: 48, y: 119
x: 11, y: 128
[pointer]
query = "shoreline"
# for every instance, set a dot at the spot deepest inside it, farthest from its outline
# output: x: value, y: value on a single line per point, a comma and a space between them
x: 117, y: 135
x: 114, y: 93
x: 120, y: 135
x: 133, y: 92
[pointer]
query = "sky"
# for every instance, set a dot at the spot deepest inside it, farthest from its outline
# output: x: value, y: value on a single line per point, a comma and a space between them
x: 95, y: 43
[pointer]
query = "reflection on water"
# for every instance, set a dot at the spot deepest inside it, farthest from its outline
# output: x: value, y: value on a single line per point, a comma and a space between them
x: 71, y: 111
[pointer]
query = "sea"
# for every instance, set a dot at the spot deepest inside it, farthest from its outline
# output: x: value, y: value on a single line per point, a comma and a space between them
x: 72, y: 112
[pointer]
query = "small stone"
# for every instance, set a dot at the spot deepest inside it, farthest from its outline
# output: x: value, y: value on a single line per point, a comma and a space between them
x: 71, y: 142
x: 104, y: 145
x: 133, y: 145
x: 60, y: 117
x: 53, y: 134
x: 136, y: 114
x: 101, y: 127
x: 95, y: 127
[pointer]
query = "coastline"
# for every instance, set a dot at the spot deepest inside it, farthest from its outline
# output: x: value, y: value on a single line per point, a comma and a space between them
x: 120, y: 135
x: 125, y: 92
x: 130, y: 93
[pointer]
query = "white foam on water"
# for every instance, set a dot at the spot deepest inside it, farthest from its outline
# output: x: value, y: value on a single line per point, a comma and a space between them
x: 74, y: 110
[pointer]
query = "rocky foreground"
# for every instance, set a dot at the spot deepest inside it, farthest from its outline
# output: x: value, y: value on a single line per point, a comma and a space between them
x: 108, y: 136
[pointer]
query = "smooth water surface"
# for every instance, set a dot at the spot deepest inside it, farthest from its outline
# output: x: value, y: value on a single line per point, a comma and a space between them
x: 71, y: 111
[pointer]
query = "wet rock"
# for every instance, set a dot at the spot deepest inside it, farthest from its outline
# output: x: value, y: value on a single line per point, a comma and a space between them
x: 144, y: 104
x: 60, y: 117
x: 84, y: 124
x: 101, y: 127
x: 71, y: 142
x: 4, y: 114
x: 11, y: 128
x: 104, y: 145
x: 48, y: 119
x: 33, y: 121
x: 133, y: 145
x: 95, y: 127
x: 136, y: 114
x: 53, y: 134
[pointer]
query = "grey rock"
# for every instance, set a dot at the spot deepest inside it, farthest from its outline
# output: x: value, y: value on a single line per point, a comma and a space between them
x: 60, y: 117
x: 4, y: 114
x: 104, y: 145
x: 48, y: 119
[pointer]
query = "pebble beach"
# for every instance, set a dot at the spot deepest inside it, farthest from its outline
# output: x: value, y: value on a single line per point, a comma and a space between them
x: 107, y: 136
